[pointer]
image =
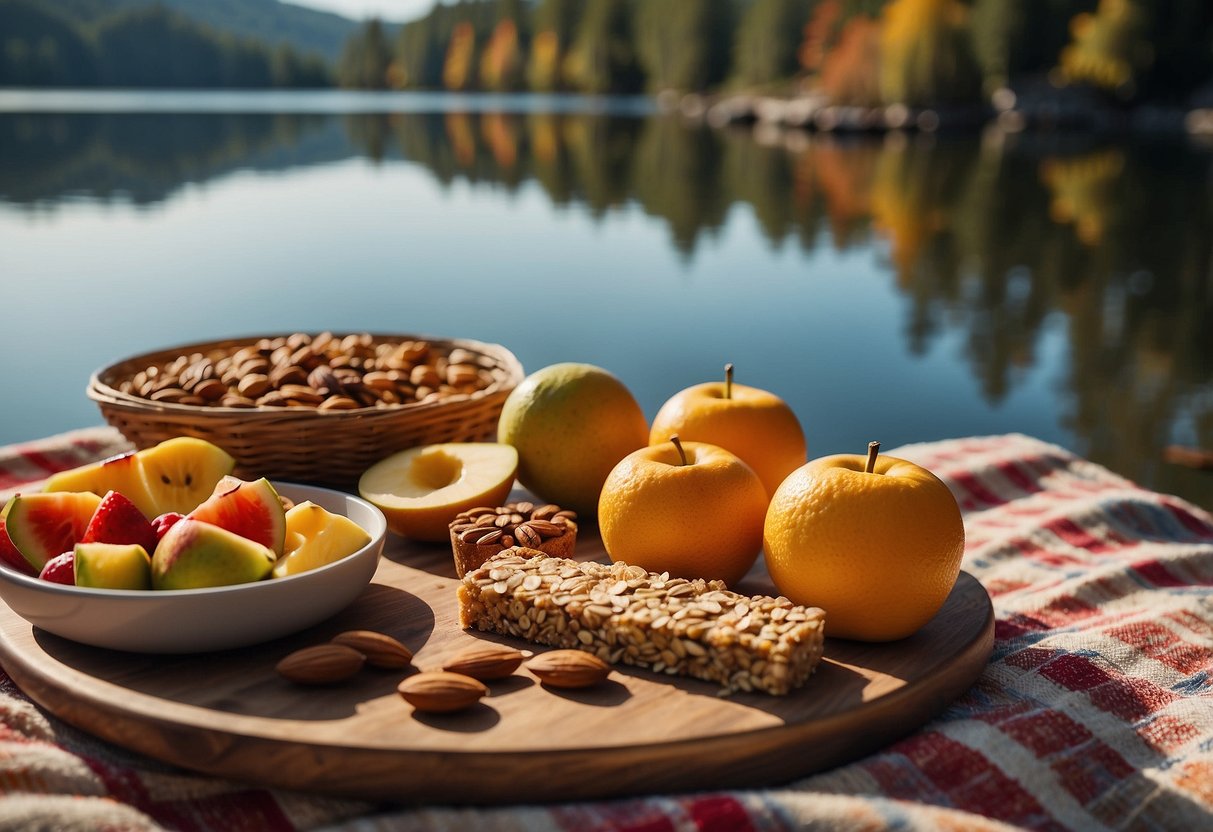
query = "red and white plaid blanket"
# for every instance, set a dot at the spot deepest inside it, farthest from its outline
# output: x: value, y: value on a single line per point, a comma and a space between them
x: 1096, y: 710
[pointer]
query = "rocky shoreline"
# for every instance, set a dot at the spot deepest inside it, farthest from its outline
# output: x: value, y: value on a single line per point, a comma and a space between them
x: 1028, y: 110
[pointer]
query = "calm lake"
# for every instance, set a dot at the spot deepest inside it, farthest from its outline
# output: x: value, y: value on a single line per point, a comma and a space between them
x: 899, y: 288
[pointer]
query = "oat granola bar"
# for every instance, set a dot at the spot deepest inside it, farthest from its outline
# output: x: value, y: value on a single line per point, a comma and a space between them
x: 626, y: 614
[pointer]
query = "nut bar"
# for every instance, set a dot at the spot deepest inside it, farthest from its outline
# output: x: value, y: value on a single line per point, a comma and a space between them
x: 479, y: 533
x: 626, y: 614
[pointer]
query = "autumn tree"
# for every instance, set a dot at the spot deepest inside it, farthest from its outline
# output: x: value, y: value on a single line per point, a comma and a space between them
x: 460, y: 57
x: 1138, y: 49
x: 554, y: 23
x: 503, y: 61
x: 825, y: 24
x: 1013, y: 38
x: 926, y: 54
x: 850, y: 72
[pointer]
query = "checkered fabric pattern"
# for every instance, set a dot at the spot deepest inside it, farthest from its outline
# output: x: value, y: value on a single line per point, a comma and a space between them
x: 1096, y: 711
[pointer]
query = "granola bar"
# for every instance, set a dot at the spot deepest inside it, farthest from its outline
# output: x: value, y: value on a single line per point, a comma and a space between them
x: 626, y: 614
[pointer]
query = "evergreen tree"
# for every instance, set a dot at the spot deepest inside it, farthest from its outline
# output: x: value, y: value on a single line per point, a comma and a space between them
x: 601, y: 59
x: 420, y: 51
x: 39, y: 47
x: 290, y: 69
x: 1180, y: 33
x: 365, y: 58
x: 154, y: 47
x: 768, y: 39
x: 684, y: 44
x: 142, y: 47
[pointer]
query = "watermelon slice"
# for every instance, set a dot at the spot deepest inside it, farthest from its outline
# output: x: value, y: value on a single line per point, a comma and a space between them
x: 180, y: 473
x: 11, y: 555
x: 252, y: 510
x: 121, y: 473
x: 45, y: 525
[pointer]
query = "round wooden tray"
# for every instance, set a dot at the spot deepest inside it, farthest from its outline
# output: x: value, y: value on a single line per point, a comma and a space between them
x: 229, y: 714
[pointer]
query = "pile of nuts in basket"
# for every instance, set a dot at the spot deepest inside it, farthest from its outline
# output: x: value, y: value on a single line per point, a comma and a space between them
x: 324, y: 372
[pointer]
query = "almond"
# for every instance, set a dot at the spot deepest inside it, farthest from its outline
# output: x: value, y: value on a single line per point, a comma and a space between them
x: 321, y: 665
x: 440, y: 692
x: 381, y: 650
x: 568, y: 668
x: 485, y: 661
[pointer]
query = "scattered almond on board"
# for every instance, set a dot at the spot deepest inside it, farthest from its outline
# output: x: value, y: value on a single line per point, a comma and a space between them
x: 486, y: 661
x: 440, y: 691
x: 343, y: 657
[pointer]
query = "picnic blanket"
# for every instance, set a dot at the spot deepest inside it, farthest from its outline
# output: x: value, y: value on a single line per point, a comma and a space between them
x: 1096, y: 710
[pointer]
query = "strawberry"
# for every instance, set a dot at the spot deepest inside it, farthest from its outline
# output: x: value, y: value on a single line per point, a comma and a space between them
x: 60, y: 569
x: 117, y: 520
x: 10, y: 555
x: 165, y: 522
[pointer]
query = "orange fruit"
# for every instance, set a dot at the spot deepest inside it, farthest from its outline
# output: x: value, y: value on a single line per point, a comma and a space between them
x: 879, y: 551
x: 701, y: 518
x: 755, y: 425
x: 571, y: 423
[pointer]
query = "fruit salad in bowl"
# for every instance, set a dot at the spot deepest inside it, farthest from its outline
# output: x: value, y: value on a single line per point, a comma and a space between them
x: 164, y: 550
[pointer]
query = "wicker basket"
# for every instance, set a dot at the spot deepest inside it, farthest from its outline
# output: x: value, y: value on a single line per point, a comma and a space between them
x: 304, y: 444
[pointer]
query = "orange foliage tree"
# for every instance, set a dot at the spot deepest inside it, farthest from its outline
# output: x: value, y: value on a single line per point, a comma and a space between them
x: 460, y: 58
x: 926, y: 54
x: 501, y: 63
x: 817, y: 34
x: 850, y: 72
x: 543, y: 68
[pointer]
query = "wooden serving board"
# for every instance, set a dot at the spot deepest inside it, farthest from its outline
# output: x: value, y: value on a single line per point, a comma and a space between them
x: 229, y: 714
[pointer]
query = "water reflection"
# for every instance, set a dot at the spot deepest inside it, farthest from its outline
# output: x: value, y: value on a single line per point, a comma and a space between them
x: 999, y: 240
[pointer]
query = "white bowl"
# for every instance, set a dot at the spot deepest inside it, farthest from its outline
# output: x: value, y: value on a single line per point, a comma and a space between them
x: 216, y: 618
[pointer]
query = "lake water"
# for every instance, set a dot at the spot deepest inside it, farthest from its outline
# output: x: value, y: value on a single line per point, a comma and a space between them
x: 898, y: 288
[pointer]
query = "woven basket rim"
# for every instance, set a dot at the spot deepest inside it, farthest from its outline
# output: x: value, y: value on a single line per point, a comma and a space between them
x: 100, y: 391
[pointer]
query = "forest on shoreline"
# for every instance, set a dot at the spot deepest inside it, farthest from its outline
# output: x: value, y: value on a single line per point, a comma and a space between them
x: 862, y: 53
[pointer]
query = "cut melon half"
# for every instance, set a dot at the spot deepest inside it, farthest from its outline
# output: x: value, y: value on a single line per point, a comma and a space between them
x: 121, y: 473
x: 317, y: 537
x: 195, y: 554
x: 252, y: 510
x: 420, y: 490
x: 46, y: 525
x: 180, y: 473
x: 113, y: 566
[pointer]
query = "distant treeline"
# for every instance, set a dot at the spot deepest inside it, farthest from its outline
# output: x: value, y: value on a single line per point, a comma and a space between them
x: 860, y: 52
x: 865, y: 52
x: 144, y: 47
